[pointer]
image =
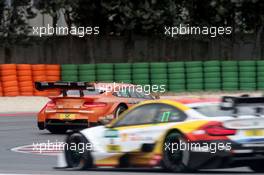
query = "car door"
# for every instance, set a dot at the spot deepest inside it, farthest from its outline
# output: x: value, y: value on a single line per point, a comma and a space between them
x: 142, y: 125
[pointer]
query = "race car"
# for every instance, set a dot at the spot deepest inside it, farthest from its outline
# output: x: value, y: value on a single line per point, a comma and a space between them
x: 83, y: 105
x: 201, y: 134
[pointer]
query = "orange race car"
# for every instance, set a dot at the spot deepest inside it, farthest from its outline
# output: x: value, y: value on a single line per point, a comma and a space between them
x: 83, y: 105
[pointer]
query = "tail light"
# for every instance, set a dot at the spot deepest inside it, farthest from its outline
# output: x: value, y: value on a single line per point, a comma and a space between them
x: 94, y: 104
x: 51, y: 104
x: 217, y: 129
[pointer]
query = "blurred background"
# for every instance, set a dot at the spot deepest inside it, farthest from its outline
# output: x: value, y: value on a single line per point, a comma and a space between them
x: 130, y: 31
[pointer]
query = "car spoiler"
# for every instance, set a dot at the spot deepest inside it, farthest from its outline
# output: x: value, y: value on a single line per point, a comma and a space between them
x: 231, y: 103
x: 41, y: 86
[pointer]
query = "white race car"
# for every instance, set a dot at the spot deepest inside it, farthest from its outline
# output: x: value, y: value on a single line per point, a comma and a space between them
x: 176, y: 136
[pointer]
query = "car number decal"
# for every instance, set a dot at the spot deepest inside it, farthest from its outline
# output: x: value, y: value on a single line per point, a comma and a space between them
x: 67, y: 116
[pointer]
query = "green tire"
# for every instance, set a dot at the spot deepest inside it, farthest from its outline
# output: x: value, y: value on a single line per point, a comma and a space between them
x: 105, y: 77
x: 178, y: 64
x: 212, y: 80
x: 122, y: 77
x: 140, y: 65
x: 260, y: 73
x: 213, y: 63
x: 87, y: 78
x: 230, y: 84
x: 69, y: 72
x: 212, y: 69
x: 230, y: 69
x: 123, y: 81
x: 177, y: 81
x: 194, y: 70
x: 158, y: 76
x: 104, y: 72
x: 191, y: 64
x: 158, y: 71
x: 229, y: 74
x: 247, y: 74
x: 122, y: 71
x: 213, y: 86
x: 69, y: 78
x: 176, y: 76
x: 212, y: 75
x: 176, y: 70
x: 248, y: 86
x: 87, y: 67
x: 105, y: 66
x: 122, y: 66
x: 229, y: 64
x: 159, y: 81
x: 247, y: 69
x: 140, y: 71
x: 260, y: 63
x: 87, y: 72
x: 69, y: 67
x: 158, y: 65
x: 230, y: 79
x: 247, y: 80
x: 247, y: 63
x: 194, y: 75
x: 195, y: 81
x: 140, y: 76
x: 143, y: 81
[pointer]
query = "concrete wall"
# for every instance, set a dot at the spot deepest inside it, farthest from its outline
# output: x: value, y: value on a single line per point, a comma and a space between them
x: 115, y: 49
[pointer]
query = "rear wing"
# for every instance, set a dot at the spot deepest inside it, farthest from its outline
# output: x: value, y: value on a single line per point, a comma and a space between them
x: 41, y: 86
x: 231, y: 103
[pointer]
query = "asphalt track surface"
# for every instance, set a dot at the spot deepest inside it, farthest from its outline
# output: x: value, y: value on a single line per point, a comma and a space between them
x: 21, y: 130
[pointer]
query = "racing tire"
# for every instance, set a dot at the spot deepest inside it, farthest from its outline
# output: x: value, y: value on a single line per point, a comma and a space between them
x: 41, y: 125
x: 257, y: 167
x: 119, y: 110
x: 75, y: 159
x: 57, y: 130
x: 174, y: 161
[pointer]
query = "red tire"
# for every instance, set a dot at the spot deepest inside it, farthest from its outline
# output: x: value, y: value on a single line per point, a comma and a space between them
x: 53, y: 78
x: 9, y: 78
x: 24, y: 78
x: 52, y: 73
x: 8, y: 72
x: 54, y: 67
x: 11, y: 94
x: 26, y: 93
x: 25, y: 83
x: 39, y: 78
x: 11, y: 89
x: 24, y: 73
x: 39, y: 73
x: 8, y: 66
x: 27, y: 89
x: 7, y: 84
x: 38, y: 67
x: 22, y: 67
x: 40, y: 93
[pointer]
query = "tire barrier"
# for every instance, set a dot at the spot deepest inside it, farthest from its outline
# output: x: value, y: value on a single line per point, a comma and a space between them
x: 179, y: 76
x: 53, y: 73
x: 9, y: 81
x: 25, y: 81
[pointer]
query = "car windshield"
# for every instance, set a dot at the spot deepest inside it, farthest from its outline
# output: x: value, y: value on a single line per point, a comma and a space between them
x: 214, y: 110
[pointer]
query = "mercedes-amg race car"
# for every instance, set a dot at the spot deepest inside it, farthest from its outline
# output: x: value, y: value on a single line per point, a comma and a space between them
x: 82, y: 105
x: 201, y: 134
